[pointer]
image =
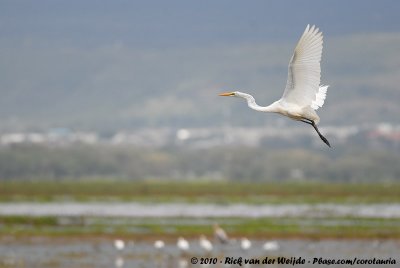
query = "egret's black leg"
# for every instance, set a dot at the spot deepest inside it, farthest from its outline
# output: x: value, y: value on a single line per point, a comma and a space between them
x: 307, y: 121
x: 312, y: 123
x: 319, y: 134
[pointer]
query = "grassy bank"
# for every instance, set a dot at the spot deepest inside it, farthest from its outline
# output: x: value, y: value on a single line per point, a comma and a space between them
x: 203, y: 191
x: 145, y: 228
x: 199, y: 192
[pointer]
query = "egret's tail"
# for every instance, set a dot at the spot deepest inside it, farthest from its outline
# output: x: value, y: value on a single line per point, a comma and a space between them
x: 319, y: 97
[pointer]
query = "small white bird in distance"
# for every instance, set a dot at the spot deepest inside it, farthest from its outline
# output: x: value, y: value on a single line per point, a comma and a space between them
x: 205, y: 243
x: 119, y: 244
x: 245, y: 243
x: 220, y: 234
x: 159, y: 244
x: 271, y: 246
x: 303, y: 94
x: 182, y: 244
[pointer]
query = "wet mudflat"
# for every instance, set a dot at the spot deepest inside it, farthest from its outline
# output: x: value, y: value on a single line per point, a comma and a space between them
x: 81, y: 234
x: 132, y: 209
x: 100, y: 252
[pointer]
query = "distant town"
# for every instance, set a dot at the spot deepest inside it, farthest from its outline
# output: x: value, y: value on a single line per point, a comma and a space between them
x: 378, y: 135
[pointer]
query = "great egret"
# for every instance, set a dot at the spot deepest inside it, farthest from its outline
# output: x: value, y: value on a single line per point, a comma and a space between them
x: 303, y: 94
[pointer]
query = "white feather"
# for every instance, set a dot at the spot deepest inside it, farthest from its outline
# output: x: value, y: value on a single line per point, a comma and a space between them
x: 319, y: 98
x: 304, y: 71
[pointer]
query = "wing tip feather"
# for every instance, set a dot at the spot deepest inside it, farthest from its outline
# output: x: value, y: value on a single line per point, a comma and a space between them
x: 320, y: 97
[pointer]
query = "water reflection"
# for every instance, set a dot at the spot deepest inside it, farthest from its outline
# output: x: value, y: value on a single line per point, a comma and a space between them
x: 119, y: 262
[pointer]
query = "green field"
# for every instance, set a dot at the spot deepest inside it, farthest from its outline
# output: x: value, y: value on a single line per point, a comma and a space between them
x: 148, y: 228
x: 199, y: 192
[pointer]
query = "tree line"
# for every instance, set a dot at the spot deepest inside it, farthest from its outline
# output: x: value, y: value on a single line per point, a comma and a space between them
x: 227, y: 163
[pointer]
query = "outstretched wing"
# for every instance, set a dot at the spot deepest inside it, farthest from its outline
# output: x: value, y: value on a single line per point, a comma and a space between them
x: 304, y: 72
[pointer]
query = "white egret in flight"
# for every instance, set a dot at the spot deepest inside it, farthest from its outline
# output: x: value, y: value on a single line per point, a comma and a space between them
x: 303, y: 94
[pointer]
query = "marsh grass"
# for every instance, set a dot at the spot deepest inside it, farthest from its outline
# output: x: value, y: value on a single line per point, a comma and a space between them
x: 199, y: 192
x: 146, y: 228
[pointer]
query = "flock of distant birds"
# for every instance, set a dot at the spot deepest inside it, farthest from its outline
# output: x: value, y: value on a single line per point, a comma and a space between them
x: 220, y: 236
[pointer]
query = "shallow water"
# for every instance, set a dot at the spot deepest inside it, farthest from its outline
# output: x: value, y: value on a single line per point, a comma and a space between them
x: 200, y: 210
x: 49, y: 252
x: 59, y: 252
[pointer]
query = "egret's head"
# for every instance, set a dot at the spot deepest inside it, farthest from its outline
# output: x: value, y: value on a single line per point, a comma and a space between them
x: 248, y: 97
x: 237, y: 94
x: 230, y: 94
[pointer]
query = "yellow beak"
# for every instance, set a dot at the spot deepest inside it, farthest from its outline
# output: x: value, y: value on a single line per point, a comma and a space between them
x: 227, y: 94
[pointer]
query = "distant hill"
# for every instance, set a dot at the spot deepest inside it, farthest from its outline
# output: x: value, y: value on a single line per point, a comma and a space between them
x: 122, y: 87
x: 128, y: 64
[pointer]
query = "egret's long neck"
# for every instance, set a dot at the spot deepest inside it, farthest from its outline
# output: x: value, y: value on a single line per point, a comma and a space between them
x: 251, y: 102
